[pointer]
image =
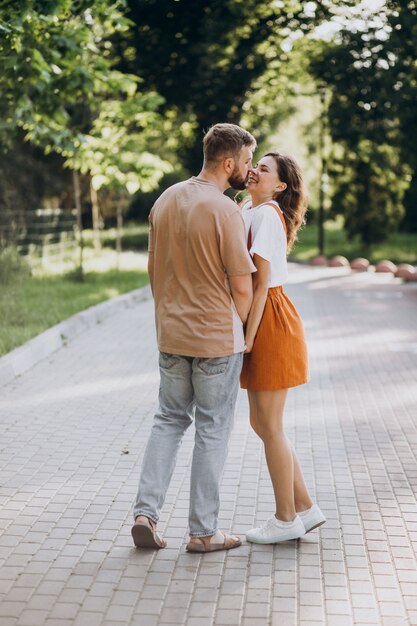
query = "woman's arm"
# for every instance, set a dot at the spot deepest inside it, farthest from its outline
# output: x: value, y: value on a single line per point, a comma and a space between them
x: 260, y: 292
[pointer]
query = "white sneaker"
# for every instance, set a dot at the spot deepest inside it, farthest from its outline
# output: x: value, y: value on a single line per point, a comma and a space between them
x: 276, y: 530
x: 312, y: 518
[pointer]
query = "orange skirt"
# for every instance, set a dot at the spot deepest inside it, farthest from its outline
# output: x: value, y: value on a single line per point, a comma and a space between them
x: 279, y: 355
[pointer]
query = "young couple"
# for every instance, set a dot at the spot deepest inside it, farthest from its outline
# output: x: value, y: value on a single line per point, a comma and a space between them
x: 217, y: 285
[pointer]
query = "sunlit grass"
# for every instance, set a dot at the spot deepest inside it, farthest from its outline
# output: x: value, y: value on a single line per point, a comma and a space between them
x: 31, y: 304
x: 399, y: 247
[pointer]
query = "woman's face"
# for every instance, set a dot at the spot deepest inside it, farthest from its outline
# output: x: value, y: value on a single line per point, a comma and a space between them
x: 263, y: 179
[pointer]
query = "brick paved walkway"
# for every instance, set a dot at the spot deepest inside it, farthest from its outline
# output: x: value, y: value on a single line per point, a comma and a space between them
x: 73, y: 431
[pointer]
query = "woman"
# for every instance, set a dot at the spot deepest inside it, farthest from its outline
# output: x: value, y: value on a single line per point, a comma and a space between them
x: 276, y: 355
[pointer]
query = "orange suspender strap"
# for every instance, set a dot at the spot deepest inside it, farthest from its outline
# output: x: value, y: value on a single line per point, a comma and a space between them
x: 282, y: 220
x: 280, y: 213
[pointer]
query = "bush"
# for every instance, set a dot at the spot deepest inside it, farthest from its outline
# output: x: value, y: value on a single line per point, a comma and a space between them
x: 13, y: 267
x: 143, y: 202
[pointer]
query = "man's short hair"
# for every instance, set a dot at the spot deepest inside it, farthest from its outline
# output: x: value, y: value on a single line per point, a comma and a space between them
x: 225, y: 140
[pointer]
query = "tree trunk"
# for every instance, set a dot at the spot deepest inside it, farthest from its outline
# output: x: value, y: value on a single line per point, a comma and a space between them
x: 77, y: 200
x: 119, y: 232
x: 323, y: 170
x: 95, y: 214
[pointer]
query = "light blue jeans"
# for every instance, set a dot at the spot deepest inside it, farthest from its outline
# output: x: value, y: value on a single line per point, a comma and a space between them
x: 190, y: 387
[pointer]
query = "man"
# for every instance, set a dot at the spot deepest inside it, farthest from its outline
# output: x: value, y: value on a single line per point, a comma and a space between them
x: 200, y: 274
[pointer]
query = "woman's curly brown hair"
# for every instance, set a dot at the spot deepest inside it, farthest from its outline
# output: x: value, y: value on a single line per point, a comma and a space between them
x: 293, y: 200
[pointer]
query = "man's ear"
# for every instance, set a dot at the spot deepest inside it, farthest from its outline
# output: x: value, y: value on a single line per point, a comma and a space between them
x: 229, y: 165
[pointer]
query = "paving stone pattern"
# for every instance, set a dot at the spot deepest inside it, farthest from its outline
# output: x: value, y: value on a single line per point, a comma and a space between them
x: 73, y: 431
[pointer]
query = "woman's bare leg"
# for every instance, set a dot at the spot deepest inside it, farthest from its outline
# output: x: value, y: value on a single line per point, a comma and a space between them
x: 267, y: 422
x: 301, y: 496
x: 266, y: 415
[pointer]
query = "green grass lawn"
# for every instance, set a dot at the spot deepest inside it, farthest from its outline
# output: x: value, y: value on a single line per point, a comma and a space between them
x: 399, y: 247
x: 31, y: 304
x: 135, y: 237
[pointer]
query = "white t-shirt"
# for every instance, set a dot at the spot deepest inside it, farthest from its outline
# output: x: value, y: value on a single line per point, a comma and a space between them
x: 269, y: 239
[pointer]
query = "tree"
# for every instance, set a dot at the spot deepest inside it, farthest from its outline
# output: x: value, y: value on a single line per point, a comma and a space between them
x: 204, y: 57
x: 371, y: 73
x: 371, y: 182
x: 56, y: 60
x: 56, y: 65
x: 61, y: 88
x: 115, y: 154
x: 401, y: 52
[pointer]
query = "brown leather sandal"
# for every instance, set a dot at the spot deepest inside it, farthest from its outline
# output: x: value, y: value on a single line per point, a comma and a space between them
x: 145, y: 535
x: 218, y: 541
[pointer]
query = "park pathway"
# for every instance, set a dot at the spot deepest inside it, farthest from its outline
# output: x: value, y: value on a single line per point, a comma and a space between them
x: 73, y: 431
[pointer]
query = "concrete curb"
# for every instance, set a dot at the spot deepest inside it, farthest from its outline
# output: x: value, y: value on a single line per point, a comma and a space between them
x: 35, y: 350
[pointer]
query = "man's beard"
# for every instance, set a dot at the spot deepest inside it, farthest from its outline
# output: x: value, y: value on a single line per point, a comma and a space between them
x: 236, y: 181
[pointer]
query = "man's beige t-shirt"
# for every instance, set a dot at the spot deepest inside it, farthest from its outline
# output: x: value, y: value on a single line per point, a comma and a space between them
x: 197, y: 238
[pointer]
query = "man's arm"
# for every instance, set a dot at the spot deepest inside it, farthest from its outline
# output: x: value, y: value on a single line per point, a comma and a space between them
x: 150, y: 268
x: 260, y: 294
x: 242, y: 294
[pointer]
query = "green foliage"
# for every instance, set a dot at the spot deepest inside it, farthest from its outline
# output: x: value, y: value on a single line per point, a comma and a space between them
x: 272, y: 98
x: 61, y: 88
x: 372, y: 76
x: 283, y: 109
x: 204, y: 57
x: 56, y: 62
x: 402, y: 54
x: 116, y: 151
x: 370, y: 186
x: 143, y: 201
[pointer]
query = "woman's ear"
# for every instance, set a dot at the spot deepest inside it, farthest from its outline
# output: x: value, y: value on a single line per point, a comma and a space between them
x: 281, y: 187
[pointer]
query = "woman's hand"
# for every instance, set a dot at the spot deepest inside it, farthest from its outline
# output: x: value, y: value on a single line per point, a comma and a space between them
x: 260, y: 294
x: 249, y: 346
